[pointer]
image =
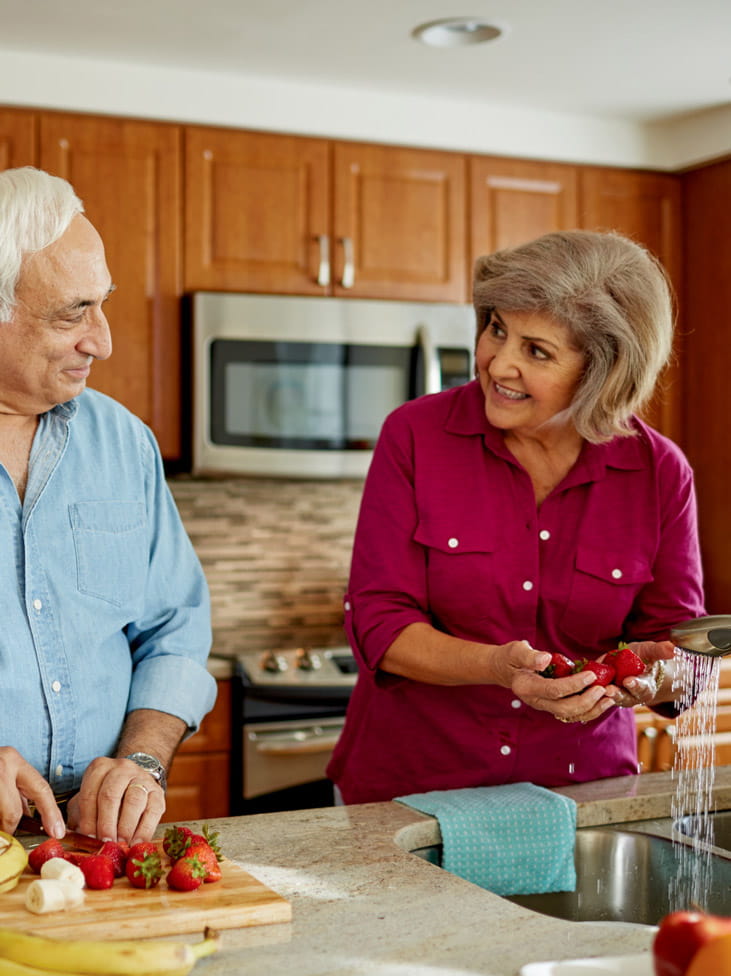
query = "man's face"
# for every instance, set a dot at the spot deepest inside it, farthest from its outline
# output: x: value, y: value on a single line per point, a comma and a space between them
x: 58, y: 326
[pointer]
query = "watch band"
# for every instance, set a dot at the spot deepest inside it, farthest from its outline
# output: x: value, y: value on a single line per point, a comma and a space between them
x: 152, y: 765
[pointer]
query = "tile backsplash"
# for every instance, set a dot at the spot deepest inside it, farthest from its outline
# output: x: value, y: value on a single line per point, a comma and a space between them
x: 276, y: 554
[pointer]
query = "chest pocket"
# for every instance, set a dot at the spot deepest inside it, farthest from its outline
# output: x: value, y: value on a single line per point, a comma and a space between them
x: 604, y: 587
x: 110, y: 542
x: 460, y: 567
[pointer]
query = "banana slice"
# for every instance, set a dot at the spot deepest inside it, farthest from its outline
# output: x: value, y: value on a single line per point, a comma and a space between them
x: 52, y: 895
x: 61, y: 870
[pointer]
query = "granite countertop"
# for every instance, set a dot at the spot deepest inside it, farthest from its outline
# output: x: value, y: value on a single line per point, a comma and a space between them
x: 363, y: 904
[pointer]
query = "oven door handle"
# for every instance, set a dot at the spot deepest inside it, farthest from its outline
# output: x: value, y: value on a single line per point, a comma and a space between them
x: 296, y: 747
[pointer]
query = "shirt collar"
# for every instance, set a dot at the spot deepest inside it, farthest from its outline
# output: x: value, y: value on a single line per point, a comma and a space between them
x: 466, y: 417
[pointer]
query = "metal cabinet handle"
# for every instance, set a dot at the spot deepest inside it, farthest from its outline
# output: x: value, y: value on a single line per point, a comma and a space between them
x: 348, y: 279
x: 323, y: 273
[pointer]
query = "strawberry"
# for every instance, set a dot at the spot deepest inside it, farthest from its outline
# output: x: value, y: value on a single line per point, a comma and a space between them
x: 207, y: 857
x: 186, y: 874
x: 176, y: 840
x: 625, y: 663
x: 117, y: 854
x: 44, y: 852
x: 559, y: 667
x: 604, y: 672
x: 98, y: 872
x: 142, y: 849
x: 144, y: 871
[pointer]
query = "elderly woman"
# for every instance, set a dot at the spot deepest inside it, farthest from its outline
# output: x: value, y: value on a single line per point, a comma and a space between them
x: 527, y: 512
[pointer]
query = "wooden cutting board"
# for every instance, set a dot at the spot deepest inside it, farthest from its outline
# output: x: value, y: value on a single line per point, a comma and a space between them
x: 124, y: 912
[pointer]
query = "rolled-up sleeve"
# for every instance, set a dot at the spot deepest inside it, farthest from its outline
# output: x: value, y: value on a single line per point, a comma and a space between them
x: 171, y: 639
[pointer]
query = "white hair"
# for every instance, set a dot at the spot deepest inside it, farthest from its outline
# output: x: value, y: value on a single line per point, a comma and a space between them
x: 35, y: 210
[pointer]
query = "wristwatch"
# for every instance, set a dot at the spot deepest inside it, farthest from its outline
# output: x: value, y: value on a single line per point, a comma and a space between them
x: 152, y: 765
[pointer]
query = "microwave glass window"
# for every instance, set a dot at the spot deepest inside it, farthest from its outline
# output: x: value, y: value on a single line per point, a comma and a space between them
x: 306, y: 395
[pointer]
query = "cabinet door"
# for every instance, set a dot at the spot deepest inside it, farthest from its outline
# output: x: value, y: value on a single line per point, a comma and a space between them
x: 514, y: 201
x: 256, y: 212
x: 399, y: 224
x: 18, y: 143
x: 128, y: 176
x: 647, y: 208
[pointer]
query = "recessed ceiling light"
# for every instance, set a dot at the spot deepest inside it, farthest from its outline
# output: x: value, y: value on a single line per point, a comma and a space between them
x: 456, y: 31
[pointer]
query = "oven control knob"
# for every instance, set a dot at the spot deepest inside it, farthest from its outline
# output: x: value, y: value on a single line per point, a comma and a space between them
x: 305, y: 660
x: 270, y: 662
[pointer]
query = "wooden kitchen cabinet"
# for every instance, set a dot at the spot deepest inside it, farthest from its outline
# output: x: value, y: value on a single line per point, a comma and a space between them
x: 515, y: 200
x: 18, y: 138
x: 198, y: 785
x: 128, y: 175
x: 646, y: 207
x: 404, y: 213
x: 291, y: 215
x: 707, y: 367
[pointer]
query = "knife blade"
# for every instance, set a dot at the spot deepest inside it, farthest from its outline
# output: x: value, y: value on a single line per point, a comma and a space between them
x: 72, y: 839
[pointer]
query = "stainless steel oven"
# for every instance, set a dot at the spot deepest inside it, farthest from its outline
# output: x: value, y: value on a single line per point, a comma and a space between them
x: 291, y: 705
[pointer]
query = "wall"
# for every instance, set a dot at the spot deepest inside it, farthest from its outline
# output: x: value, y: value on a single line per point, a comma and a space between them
x: 276, y: 555
x: 210, y: 98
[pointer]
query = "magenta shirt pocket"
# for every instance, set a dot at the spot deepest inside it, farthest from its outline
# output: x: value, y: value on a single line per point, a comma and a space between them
x: 604, y: 587
x: 461, y: 565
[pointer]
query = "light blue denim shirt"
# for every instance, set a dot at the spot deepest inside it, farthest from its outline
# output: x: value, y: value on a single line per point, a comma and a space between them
x: 103, y: 604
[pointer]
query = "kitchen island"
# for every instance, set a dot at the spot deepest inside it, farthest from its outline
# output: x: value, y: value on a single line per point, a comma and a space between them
x: 362, y: 903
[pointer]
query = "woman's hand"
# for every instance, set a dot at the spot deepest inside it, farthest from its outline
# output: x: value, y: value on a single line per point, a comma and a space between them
x: 655, y: 685
x: 575, y: 698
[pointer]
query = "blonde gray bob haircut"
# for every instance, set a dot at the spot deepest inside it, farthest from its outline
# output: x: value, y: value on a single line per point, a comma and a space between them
x: 35, y: 210
x: 616, y: 302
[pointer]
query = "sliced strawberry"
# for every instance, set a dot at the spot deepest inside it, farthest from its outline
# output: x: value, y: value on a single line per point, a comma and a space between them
x: 44, y: 852
x: 560, y: 667
x: 208, y: 858
x: 604, y: 672
x: 98, y: 871
x: 186, y: 874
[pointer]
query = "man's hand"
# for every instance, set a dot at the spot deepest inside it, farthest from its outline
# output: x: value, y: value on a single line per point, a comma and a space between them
x: 117, y: 801
x: 21, y: 785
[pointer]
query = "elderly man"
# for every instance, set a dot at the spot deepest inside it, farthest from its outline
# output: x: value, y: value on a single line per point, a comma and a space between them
x: 104, y: 612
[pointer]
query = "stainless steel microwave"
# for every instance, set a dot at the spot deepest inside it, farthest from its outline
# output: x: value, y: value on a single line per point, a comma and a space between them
x: 299, y: 387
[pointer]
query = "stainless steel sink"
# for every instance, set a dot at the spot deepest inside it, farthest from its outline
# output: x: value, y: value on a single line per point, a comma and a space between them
x: 721, y: 822
x: 627, y: 876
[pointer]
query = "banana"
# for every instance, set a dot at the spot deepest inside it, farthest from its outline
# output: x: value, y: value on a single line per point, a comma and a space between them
x: 13, y: 860
x: 124, y: 957
x: 52, y: 895
x: 58, y: 868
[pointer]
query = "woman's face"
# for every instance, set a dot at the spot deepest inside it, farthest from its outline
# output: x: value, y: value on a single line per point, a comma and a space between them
x: 528, y: 369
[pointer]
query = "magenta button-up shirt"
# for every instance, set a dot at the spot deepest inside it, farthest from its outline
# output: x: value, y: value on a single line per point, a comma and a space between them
x: 449, y: 534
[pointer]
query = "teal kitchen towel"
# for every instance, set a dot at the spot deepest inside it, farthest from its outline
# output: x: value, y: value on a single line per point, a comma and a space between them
x: 516, y: 839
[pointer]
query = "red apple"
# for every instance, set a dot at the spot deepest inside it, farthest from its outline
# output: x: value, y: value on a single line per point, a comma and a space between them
x: 681, y: 935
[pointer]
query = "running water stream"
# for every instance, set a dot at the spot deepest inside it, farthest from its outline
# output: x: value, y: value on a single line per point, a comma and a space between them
x: 696, y: 679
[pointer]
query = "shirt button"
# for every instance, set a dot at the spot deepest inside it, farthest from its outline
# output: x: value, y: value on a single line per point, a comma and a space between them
x: 56, y: 686
x: 453, y: 543
x: 516, y: 703
x: 616, y: 574
x: 59, y: 771
x: 37, y: 604
x: 527, y: 585
x: 346, y: 605
x: 505, y: 750
x: 544, y: 534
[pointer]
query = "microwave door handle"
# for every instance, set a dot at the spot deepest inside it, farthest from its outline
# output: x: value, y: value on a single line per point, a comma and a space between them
x: 323, y: 272
x: 432, y: 372
x: 348, y: 279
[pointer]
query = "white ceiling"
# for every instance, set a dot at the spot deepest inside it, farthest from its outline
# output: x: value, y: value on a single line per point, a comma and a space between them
x: 638, y: 60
